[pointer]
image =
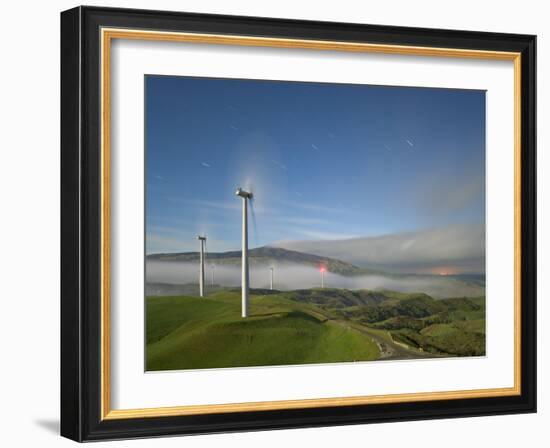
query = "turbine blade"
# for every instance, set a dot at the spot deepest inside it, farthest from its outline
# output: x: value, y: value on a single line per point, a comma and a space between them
x: 253, y: 216
x: 250, y: 187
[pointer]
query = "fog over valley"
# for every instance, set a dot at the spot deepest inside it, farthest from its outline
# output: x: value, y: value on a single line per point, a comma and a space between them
x: 161, y: 274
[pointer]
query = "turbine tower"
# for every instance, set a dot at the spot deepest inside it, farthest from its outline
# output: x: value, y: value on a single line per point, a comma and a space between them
x: 202, y: 240
x: 246, y: 196
x: 271, y: 285
x: 322, y: 276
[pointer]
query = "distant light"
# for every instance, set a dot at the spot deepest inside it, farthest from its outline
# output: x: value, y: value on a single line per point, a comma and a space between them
x: 323, y: 269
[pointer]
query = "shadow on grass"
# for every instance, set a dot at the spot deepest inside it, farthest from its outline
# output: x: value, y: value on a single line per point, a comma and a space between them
x: 267, y: 314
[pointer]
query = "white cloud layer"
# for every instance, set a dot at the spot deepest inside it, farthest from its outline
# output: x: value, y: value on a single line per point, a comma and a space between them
x: 293, y: 276
x: 454, y: 249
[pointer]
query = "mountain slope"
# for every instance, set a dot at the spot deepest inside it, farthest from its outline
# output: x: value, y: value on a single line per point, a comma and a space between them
x: 266, y: 256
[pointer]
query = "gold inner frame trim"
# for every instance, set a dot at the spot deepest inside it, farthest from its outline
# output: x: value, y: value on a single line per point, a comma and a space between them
x: 107, y: 35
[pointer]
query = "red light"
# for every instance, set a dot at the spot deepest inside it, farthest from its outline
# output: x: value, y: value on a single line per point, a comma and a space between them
x: 323, y: 269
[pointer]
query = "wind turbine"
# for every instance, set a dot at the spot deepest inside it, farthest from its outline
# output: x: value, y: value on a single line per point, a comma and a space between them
x: 246, y: 196
x: 271, y: 284
x: 213, y: 266
x: 322, y: 276
x: 202, y: 240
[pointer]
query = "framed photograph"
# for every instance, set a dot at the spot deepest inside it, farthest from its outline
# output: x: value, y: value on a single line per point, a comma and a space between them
x: 276, y: 224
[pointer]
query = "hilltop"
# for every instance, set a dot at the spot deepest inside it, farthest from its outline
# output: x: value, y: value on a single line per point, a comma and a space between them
x: 188, y: 332
x: 267, y: 256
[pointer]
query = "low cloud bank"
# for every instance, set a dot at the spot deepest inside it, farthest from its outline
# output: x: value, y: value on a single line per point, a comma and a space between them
x: 287, y: 277
x: 457, y: 249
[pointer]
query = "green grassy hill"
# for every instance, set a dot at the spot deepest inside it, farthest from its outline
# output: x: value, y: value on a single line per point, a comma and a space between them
x: 188, y: 333
x: 452, y: 327
x: 309, y: 326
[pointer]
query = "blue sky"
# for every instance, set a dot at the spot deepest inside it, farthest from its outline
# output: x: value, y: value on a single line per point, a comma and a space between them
x: 325, y: 161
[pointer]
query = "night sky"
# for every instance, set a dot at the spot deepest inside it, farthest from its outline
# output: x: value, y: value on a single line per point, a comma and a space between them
x: 325, y: 161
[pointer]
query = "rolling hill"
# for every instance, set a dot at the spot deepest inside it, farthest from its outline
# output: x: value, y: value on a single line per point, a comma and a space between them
x: 308, y: 326
x: 191, y: 333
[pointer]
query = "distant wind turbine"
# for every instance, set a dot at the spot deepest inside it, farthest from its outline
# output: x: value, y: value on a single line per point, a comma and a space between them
x: 246, y: 196
x: 322, y: 270
x: 202, y: 240
x: 271, y: 284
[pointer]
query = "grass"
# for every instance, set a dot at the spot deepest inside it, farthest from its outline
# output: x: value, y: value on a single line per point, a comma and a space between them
x: 191, y: 333
x: 460, y: 338
x: 308, y: 326
x: 454, y: 327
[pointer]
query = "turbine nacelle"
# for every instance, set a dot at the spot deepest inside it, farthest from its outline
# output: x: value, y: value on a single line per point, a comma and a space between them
x: 244, y: 194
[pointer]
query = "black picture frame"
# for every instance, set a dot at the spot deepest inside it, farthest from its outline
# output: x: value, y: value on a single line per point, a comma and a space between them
x: 81, y: 224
